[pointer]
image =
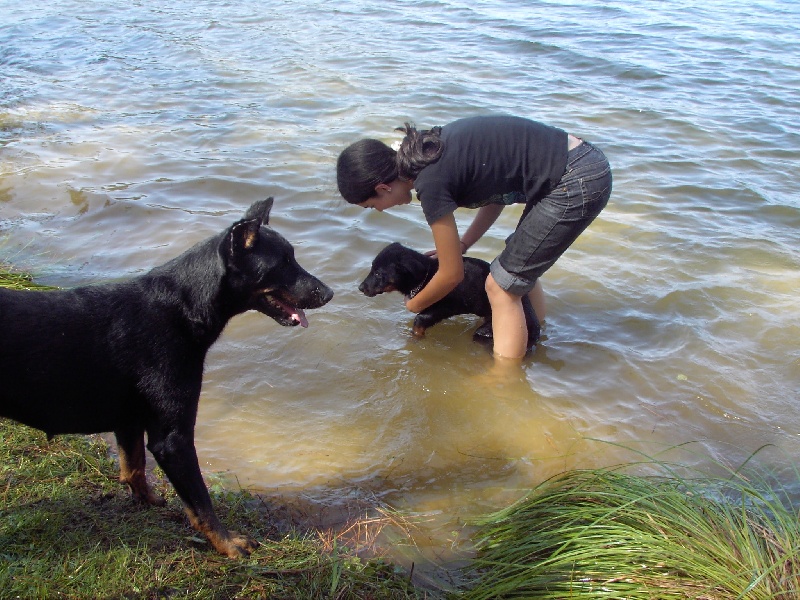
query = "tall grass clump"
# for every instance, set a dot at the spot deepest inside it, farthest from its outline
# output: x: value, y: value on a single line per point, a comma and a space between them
x: 607, y: 534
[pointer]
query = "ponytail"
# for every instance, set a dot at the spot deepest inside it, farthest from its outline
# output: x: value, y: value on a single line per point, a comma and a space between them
x: 418, y: 150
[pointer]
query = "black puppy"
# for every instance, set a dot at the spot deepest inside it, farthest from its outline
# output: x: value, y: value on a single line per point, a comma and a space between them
x: 397, y: 268
x: 128, y: 357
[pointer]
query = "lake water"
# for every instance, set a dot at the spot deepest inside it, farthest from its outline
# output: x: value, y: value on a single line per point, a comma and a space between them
x: 131, y: 130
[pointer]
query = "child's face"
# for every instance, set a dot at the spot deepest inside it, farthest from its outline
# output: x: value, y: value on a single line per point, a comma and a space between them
x: 388, y: 195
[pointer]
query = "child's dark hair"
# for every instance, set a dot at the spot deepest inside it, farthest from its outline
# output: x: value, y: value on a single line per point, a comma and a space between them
x: 418, y: 150
x: 367, y: 163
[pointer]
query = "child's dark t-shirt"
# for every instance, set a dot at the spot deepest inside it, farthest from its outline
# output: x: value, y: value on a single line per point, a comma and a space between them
x: 492, y: 160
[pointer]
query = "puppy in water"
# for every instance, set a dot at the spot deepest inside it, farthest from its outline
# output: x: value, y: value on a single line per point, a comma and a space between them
x: 401, y: 269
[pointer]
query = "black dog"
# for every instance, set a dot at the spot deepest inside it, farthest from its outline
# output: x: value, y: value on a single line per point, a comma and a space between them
x: 397, y: 268
x: 128, y: 357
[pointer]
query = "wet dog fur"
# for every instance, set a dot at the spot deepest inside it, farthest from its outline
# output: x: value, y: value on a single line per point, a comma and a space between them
x: 128, y: 357
x: 399, y: 268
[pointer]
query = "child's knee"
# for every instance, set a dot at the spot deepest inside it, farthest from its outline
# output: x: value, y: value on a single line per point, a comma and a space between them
x: 491, y: 287
x: 497, y: 295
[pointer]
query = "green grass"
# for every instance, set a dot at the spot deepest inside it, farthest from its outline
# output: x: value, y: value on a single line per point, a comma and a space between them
x: 607, y: 534
x: 17, y: 280
x: 68, y: 529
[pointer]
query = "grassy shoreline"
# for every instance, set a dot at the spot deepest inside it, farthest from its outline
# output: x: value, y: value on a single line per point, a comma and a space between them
x: 69, y: 529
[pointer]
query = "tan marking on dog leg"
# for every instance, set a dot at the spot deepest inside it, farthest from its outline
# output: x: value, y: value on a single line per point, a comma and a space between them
x: 229, y: 543
x: 132, y: 471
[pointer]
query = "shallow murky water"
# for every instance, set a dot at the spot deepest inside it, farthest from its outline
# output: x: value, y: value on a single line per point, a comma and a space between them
x: 129, y: 131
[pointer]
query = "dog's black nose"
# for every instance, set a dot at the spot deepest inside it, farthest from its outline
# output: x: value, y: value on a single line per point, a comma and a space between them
x: 367, y: 289
x: 325, y: 294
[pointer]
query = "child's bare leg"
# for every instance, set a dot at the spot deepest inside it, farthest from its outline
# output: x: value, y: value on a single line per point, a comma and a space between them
x: 508, y: 322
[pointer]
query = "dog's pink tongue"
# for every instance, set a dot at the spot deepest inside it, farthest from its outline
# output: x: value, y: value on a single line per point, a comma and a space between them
x: 300, y: 317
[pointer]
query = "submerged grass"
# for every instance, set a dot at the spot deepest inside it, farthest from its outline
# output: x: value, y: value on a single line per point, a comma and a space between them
x: 608, y: 534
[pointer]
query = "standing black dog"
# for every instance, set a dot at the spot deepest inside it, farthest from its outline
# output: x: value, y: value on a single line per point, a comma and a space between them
x: 128, y: 357
x: 397, y: 268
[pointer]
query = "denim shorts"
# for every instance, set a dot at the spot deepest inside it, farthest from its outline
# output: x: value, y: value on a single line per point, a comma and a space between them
x: 550, y: 225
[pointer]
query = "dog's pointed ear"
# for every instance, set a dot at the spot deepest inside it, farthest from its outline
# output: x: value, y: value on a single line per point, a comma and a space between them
x: 244, y: 235
x: 260, y: 210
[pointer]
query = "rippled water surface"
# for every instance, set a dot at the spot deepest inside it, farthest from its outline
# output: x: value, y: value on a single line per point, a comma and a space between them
x: 129, y: 131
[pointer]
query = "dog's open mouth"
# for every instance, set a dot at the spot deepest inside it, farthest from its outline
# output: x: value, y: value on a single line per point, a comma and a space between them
x: 284, y: 313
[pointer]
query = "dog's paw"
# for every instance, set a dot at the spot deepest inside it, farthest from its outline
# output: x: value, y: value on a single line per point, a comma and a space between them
x: 142, y: 492
x: 154, y: 500
x: 236, y: 545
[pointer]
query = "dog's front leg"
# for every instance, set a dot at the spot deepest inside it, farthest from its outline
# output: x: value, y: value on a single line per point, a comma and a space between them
x: 431, y: 316
x: 176, y: 455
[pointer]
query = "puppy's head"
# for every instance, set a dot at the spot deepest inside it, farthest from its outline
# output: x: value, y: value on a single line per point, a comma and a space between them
x: 262, y: 269
x: 395, y: 268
